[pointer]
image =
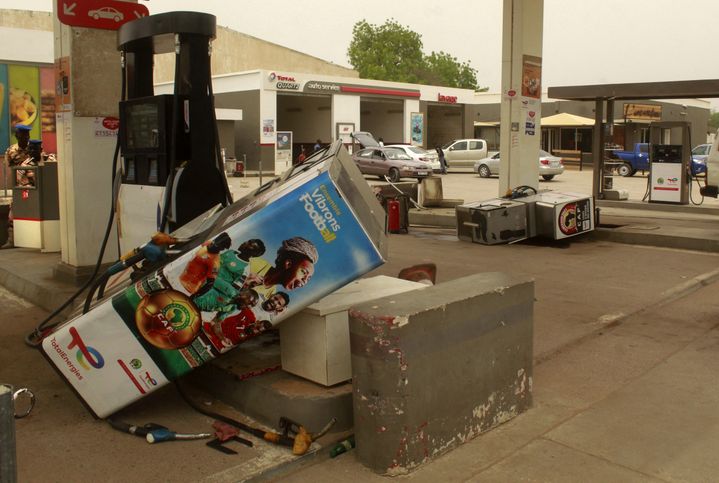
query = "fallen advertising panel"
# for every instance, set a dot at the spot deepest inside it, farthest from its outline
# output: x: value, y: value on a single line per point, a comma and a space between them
x: 266, y: 257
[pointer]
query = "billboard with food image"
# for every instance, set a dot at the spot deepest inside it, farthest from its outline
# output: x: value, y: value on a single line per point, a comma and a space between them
x: 24, y: 97
x: 4, y: 119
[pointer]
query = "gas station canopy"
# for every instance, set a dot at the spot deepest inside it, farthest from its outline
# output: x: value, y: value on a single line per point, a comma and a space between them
x: 639, y: 90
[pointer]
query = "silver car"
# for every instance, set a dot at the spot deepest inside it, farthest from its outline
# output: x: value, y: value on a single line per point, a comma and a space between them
x: 390, y: 162
x: 549, y: 166
x: 420, y: 154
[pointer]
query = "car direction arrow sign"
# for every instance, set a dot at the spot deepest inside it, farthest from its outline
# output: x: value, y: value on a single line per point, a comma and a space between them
x: 98, y: 14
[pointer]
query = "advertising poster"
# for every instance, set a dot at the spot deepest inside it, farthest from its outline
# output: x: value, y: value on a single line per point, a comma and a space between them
x: 63, y: 103
x: 5, y: 135
x: 531, y: 76
x: 417, y: 126
x: 47, y: 109
x: 24, y: 97
x: 283, y: 156
x: 575, y: 218
x: 268, y: 128
x: 244, y: 280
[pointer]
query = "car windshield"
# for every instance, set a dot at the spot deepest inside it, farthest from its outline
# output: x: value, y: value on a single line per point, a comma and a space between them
x: 417, y: 150
x: 449, y: 144
x: 543, y: 153
x: 396, y: 154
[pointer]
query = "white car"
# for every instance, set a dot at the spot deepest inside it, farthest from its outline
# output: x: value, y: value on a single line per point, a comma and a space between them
x: 549, y: 166
x: 462, y: 153
x: 421, y: 154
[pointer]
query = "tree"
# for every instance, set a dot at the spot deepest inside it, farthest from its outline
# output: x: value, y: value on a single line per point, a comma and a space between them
x: 714, y: 121
x: 386, y: 52
x: 394, y: 53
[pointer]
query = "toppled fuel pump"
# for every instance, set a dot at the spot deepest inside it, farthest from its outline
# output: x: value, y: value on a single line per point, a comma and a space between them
x: 264, y: 258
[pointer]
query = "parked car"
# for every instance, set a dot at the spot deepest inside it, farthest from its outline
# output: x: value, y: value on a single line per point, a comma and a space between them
x: 421, y: 154
x: 549, y: 166
x: 462, y: 153
x: 391, y: 162
x: 699, y: 158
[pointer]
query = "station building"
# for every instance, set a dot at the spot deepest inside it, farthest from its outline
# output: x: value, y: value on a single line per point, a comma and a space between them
x: 279, y: 90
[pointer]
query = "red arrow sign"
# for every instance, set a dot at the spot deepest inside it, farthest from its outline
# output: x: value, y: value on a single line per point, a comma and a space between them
x: 99, y: 14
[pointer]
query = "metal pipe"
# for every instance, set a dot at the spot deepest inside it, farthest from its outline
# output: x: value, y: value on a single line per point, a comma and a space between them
x: 8, y: 461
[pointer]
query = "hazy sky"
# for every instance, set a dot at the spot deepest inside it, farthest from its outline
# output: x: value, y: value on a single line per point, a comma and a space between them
x: 585, y: 41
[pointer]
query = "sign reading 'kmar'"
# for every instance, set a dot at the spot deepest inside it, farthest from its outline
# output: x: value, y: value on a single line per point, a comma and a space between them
x: 99, y: 14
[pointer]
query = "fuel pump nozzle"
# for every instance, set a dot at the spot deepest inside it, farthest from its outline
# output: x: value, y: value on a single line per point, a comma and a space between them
x: 154, y: 251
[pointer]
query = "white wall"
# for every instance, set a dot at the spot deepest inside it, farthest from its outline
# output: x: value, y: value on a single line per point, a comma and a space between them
x: 345, y: 109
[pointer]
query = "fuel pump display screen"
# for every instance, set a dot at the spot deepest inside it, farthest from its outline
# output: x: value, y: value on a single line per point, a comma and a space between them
x: 143, y: 126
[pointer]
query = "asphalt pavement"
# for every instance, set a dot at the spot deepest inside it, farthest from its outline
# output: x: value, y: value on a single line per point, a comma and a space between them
x: 625, y: 339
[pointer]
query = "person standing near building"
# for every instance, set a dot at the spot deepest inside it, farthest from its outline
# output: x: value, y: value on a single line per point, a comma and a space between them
x: 442, y: 159
x: 301, y: 158
x: 15, y: 155
x: 318, y: 145
x: 20, y: 151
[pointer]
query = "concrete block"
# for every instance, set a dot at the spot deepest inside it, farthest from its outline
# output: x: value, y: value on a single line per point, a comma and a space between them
x: 434, y: 369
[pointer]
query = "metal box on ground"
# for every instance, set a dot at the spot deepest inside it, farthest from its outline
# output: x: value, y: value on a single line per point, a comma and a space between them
x: 315, y: 344
x: 560, y: 215
x: 492, y: 222
x: 320, y: 226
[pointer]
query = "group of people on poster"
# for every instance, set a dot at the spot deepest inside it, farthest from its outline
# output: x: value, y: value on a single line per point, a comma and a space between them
x: 239, y: 293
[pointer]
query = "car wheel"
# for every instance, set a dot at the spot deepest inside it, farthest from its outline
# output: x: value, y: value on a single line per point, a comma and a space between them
x: 117, y: 19
x: 625, y: 170
x: 484, y: 171
x: 548, y: 177
x: 393, y: 175
x: 96, y: 17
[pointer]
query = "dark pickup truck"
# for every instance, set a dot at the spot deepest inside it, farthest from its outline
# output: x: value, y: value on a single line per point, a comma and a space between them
x: 633, y: 161
x: 638, y: 160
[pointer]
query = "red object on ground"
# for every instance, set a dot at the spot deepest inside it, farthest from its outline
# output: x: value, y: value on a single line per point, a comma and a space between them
x: 393, y: 222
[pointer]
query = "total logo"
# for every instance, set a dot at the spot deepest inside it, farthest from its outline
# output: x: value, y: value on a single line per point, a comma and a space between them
x: 284, y: 81
x: 274, y: 76
x: 86, y: 356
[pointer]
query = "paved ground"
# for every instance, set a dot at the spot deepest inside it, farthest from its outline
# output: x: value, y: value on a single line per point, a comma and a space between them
x: 626, y: 346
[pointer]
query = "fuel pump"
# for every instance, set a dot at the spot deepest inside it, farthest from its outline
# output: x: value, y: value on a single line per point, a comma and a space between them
x: 172, y: 169
x: 669, y: 164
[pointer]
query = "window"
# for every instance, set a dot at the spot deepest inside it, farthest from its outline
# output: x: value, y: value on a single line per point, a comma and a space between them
x: 460, y: 146
x: 365, y: 153
x: 643, y: 148
x: 475, y: 145
x: 701, y: 150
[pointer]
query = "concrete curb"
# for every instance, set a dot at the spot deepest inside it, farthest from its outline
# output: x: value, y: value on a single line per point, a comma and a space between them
x: 655, y: 240
x: 609, y: 321
x: 43, y: 297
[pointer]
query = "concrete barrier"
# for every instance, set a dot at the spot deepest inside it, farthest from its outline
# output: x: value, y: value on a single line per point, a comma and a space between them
x: 435, y: 368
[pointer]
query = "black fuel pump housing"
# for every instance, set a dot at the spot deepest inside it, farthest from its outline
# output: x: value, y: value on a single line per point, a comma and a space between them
x: 171, y: 140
